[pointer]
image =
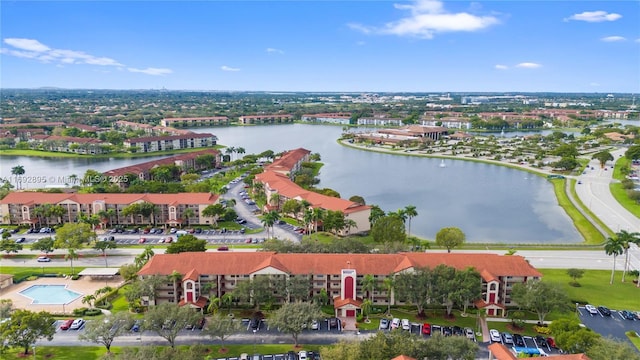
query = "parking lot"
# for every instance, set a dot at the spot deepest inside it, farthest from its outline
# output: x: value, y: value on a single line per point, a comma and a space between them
x: 614, y: 325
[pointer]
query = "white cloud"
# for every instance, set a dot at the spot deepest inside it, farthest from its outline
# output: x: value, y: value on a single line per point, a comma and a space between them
x: 501, y: 67
x: 528, y: 65
x: 594, y: 84
x: 594, y: 16
x: 27, y: 44
x: 360, y: 43
x: 613, y: 39
x: 33, y: 49
x: 151, y: 71
x: 274, y: 51
x: 428, y: 17
x: 228, y: 68
x: 638, y: 40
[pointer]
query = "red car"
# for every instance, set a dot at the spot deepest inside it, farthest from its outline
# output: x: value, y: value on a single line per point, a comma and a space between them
x: 66, y: 324
x: 142, y: 240
x: 426, y: 329
x: 551, y: 342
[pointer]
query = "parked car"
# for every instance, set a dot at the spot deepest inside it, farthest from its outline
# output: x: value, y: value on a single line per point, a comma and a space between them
x: 21, y: 240
x: 541, y: 341
x: 457, y: 330
x: 44, y: 259
x: 436, y: 329
x: 604, y: 310
x: 518, y: 340
x: 223, y: 248
x: 302, y: 355
x: 495, y: 335
x: 291, y: 355
x: 426, y: 329
x: 395, y: 323
x: 142, y: 240
x: 447, y: 331
x: 468, y: 332
x: 333, y: 322
x: 626, y: 314
x: 136, y: 326
x: 315, y: 325
x: 591, y: 309
x: 77, y: 324
x: 66, y: 324
x: 507, y: 338
x: 406, y: 325
x: 384, y: 324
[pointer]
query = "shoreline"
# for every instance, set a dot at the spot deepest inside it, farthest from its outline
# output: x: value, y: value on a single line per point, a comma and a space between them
x: 119, y: 155
x: 570, y: 209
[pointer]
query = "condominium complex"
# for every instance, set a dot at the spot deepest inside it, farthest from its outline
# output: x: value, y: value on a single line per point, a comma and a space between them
x: 339, y: 275
x: 171, y: 142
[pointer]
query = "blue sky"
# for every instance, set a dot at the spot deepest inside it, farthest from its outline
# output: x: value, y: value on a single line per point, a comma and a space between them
x: 360, y: 46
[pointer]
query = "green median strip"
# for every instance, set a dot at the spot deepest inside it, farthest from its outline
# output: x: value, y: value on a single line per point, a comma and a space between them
x: 589, y: 232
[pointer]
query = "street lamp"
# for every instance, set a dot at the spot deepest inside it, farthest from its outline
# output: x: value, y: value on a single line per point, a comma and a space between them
x: 254, y: 340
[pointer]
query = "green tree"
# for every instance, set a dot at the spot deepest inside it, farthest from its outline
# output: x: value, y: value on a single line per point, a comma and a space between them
x: 633, y: 152
x: 469, y: 287
x: 73, y: 236
x: 344, y: 350
x: 214, y: 211
x: 627, y: 238
x: 6, y: 307
x: 388, y: 229
x: 566, y: 163
x: 376, y: 213
x: 89, y: 299
x: 450, y: 237
x: 389, y: 284
x: 299, y: 287
x: 45, y: 245
x: 357, y: 199
x: 9, y: 246
x: 26, y: 327
x: 167, y: 320
x: 603, y: 157
x: 571, y: 337
x: 292, y: 318
x: 608, y: 348
x: 368, y: 285
x: 105, y: 331
x: 103, y: 246
x: 566, y: 151
x: 410, y: 212
x: 222, y: 327
x: 269, y: 219
x: 613, y: 247
x: 18, y: 171
x: 187, y: 214
x: 175, y: 277
x: 540, y: 297
x: 451, y: 347
x: 575, y: 274
x: 187, y: 243
x: 129, y: 272
x: 414, y: 288
x: 144, y: 257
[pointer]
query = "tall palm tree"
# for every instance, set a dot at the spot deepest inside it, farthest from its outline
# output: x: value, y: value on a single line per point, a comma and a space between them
x: 240, y: 150
x: 627, y: 239
x: 614, y: 247
x: 368, y: 284
x: 389, y: 284
x: 269, y: 219
x: 187, y: 214
x: 175, y: 276
x: 71, y: 255
x: 17, y: 171
x: 410, y: 212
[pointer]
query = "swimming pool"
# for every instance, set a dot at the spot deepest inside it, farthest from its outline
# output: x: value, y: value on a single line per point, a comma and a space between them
x: 49, y: 294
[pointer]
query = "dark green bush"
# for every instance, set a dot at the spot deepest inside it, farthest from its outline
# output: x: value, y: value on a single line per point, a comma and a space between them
x: 79, y: 311
x: 92, y: 312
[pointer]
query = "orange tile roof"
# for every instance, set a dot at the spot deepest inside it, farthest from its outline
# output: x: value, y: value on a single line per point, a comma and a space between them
x: 403, y: 357
x: 146, y: 166
x: 191, y: 275
x: 288, y: 160
x: 338, y: 303
x: 244, y: 263
x: 287, y: 188
x: 200, y: 303
x: 501, y: 352
x: 30, y: 197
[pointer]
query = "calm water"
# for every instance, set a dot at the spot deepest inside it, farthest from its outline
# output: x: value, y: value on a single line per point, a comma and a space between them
x: 489, y: 203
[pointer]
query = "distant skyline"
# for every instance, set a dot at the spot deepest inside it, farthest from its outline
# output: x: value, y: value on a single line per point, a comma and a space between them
x: 323, y: 46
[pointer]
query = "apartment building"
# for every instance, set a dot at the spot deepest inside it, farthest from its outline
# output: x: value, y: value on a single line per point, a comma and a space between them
x: 289, y: 162
x: 265, y: 119
x: 380, y: 121
x: 330, y: 118
x: 195, y: 121
x: 20, y: 207
x: 171, y: 142
x: 78, y: 145
x: 340, y: 275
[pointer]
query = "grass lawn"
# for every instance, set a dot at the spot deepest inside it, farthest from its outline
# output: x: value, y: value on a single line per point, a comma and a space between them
x: 24, y: 272
x: 96, y: 352
x: 589, y: 232
x: 595, y: 288
x: 633, y: 337
x: 619, y: 193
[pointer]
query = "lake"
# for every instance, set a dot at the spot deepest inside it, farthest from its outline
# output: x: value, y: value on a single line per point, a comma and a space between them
x: 490, y: 203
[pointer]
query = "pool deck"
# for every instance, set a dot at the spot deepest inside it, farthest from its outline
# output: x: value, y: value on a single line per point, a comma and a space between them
x: 84, y: 286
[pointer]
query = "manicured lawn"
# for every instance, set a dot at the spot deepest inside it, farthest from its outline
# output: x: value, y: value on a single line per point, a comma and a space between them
x: 619, y: 193
x: 97, y: 352
x: 635, y: 340
x: 589, y: 232
x: 595, y: 288
x: 24, y: 272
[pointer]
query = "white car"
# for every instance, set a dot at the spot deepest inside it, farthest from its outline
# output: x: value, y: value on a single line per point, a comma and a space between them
x: 44, y: 259
x: 405, y: 324
x: 315, y: 325
x: 77, y: 324
x: 495, y: 335
x: 395, y: 323
x: 591, y: 309
x: 302, y: 355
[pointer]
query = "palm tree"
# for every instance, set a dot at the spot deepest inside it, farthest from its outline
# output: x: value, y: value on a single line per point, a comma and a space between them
x: 627, y: 239
x: 175, y: 276
x: 230, y: 150
x: 318, y: 215
x: 368, y: 284
x: 275, y: 199
x: 366, y: 308
x: 614, y: 247
x: 17, y: 171
x: 213, y: 211
x: 240, y: 150
x: 89, y: 299
x: 389, y: 283
x: 187, y: 214
x: 71, y: 255
x: 350, y: 223
x: 269, y: 219
x: 410, y: 212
